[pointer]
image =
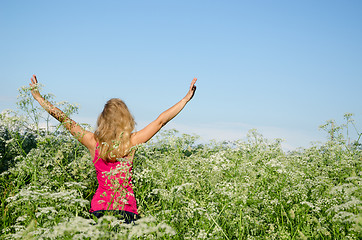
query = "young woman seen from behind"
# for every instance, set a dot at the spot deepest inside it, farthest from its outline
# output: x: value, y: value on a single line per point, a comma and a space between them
x: 111, y: 149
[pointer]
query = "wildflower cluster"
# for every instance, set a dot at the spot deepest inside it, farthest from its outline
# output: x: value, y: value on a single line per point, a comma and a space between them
x: 251, y: 189
x: 230, y: 190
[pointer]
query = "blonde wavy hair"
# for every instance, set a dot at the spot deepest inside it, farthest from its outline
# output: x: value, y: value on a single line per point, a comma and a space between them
x: 114, y: 127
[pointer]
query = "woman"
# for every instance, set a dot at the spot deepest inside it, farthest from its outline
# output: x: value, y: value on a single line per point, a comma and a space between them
x: 111, y: 148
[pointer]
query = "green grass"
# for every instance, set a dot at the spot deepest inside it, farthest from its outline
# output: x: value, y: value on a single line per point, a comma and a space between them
x: 248, y: 189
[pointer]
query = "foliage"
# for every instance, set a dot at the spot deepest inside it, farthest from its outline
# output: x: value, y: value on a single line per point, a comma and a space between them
x: 231, y: 190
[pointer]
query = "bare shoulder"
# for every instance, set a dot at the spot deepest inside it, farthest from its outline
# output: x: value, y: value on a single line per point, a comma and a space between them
x: 145, y: 134
x: 137, y: 138
x: 90, y: 142
x: 133, y: 139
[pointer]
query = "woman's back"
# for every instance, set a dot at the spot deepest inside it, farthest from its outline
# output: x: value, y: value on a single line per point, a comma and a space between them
x: 115, y: 191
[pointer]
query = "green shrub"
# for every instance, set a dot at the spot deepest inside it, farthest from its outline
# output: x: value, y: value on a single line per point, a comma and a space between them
x: 185, y: 190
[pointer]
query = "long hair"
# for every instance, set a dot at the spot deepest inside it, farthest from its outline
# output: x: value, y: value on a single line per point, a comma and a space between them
x: 114, y: 127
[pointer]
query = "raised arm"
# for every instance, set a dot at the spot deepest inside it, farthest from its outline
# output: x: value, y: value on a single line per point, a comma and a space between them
x: 150, y: 130
x: 83, y: 136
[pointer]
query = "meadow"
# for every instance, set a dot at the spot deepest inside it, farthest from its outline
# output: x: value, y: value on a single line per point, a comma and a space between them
x: 248, y: 189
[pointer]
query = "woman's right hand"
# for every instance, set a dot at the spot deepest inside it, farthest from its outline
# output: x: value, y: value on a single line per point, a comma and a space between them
x: 34, y: 87
x: 191, y: 91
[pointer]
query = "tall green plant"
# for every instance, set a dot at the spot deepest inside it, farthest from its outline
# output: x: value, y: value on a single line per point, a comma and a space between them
x: 231, y: 190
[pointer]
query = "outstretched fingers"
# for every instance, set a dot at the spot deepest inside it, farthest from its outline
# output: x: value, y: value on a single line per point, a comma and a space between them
x: 193, y: 83
x: 34, y: 87
x: 34, y: 80
x: 33, y: 83
x: 192, y: 90
x: 193, y: 86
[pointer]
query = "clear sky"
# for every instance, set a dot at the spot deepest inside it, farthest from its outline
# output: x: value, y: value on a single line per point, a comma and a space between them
x: 282, y: 67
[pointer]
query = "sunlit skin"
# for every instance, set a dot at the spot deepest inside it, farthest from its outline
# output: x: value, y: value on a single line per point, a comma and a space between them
x: 87, y: 138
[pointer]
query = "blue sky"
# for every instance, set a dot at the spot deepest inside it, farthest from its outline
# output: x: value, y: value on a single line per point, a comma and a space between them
x: 282, y: 67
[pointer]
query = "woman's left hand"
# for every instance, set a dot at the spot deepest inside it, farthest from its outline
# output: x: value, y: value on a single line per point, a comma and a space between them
x: 34, y: 87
